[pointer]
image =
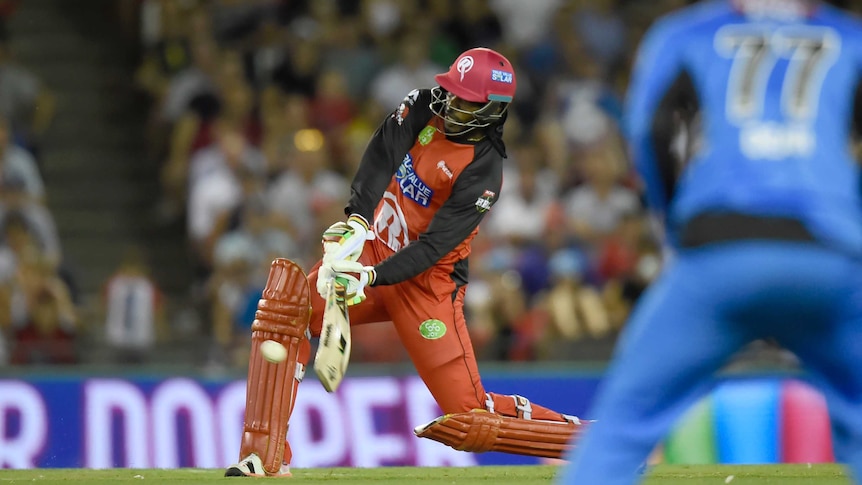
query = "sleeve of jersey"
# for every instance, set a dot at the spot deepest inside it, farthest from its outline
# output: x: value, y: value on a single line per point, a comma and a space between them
x: 658, y: 64
x: 385, y: 152
x: 459, y: 216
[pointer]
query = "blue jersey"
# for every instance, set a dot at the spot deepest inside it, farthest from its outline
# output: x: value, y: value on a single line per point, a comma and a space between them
x: 737, y: 111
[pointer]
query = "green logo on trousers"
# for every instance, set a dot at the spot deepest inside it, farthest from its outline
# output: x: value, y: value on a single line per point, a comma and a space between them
x: 432, y: 329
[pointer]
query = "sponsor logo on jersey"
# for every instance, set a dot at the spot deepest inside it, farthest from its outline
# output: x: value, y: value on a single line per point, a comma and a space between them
x: 432, y: 329
x: 411, y: 185
x: 501, y: 76
x: 401, y: 113
x: 483, y: 203
x: 426, y: 135
x: 411, y: 97
x: 442, y: 166
x: 390, y: 223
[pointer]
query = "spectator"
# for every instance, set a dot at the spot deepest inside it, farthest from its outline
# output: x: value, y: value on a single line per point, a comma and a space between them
x: 44, y: 339
x: 353, y: 56
x: 528, y: 197
x: 233, y: 289
x: 496, y: 303
x: 524, y: 217
x: 19, y: 210
x: 603, y: 32
x: 234, y: 22
x: 17, y: 164
x: 25, y: 101
x: 621, y: 293
x: 298, y: 73
x: 44, y: 317
x: 331, y: 106
x: 282, y: 117
x: 196, y: 80
x: 169, y: 31
x: 198, y: 128
x: 575, y: 309
x: 474, y: 24
x: 619, y: 253
x: 167, y: 44
x: 220, y: 182
x: 595, y: 208
x: 306, y: 191
x: 241, y: 262
x: 133, y: 308
x: 412, y: 68
x: 524, y: 23
x: 269, y: 51
x: 384, y: 18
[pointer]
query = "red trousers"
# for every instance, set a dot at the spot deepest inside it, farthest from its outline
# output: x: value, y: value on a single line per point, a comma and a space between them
x: 428, y: 315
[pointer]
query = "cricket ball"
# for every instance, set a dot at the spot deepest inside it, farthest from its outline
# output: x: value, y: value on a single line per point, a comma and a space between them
x: 273, y: 351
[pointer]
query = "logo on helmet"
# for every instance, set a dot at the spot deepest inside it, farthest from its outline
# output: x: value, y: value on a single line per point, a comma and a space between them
x: 464, y: 65
x: 501, y: 76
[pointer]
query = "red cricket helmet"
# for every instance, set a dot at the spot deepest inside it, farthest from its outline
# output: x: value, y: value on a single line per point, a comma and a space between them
x: 480, y: 75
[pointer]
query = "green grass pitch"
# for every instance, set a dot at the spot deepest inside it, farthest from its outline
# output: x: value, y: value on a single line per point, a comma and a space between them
x: 520, y: 475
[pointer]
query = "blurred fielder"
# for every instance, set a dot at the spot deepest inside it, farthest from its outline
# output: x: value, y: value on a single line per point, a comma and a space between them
x: 429, y: 175
x: 742, y: 117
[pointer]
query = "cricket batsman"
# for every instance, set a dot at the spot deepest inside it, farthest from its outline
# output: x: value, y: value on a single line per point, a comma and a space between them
x: 430, y: 173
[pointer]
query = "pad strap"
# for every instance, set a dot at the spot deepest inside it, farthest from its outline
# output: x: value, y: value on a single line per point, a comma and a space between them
x: 479, y: 431
x: 522, y: 404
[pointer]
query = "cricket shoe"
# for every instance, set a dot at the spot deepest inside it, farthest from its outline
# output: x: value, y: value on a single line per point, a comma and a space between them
x: 251, y: 466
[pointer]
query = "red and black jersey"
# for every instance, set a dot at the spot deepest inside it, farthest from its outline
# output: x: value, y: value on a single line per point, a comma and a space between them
x: 426, y: 193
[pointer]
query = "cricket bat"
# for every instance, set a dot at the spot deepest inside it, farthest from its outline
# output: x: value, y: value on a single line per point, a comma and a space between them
x: 333, y: 351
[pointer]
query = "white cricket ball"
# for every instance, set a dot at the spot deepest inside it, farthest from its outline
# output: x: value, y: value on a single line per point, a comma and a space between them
x: 273, y: 351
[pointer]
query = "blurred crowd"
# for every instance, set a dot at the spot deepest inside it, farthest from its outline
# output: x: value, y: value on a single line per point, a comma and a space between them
x: 261, y: 109
x: 259, y: 113
x: 38, y: 315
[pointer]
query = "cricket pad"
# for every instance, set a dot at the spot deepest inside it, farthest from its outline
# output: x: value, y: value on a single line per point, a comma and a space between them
x: 283, y: 315
x: 479, y: 431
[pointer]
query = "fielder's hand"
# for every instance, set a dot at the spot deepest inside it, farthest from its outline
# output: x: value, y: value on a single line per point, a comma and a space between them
x: 355, y: 285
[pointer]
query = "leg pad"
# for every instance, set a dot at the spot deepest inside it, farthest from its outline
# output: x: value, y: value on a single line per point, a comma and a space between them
x: 282, y: 315
x: 479, y: 431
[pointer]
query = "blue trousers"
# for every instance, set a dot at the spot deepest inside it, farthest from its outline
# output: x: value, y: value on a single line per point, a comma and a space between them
x: 707, y: 304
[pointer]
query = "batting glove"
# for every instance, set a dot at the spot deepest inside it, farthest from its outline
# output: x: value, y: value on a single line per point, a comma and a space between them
x: 324, y: 276
x: 354, y: 285
x: 345, y: 240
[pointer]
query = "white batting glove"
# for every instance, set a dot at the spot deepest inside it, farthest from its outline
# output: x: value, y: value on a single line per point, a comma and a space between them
x: 354, y: 285
x: 324, y: 276
x: 345, y: 240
